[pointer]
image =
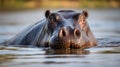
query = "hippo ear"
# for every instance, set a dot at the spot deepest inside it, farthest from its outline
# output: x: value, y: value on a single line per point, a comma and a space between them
x: 85, y: 13
x: 47, y: 13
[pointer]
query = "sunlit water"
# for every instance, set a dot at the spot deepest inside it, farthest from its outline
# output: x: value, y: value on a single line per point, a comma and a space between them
x: 105, y: 25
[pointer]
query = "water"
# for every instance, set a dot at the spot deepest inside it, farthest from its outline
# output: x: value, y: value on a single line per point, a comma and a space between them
x: 105, y: 24
x: 21, y: 57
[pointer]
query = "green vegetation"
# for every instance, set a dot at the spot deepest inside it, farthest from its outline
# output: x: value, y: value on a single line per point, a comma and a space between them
x: 31, y: 4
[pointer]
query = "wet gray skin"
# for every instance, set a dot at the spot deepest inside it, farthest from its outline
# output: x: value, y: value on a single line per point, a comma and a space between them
x: 59, y: 30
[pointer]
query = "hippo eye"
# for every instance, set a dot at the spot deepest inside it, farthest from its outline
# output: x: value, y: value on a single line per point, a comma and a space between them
x: 55, y: 17
x: 58, y: 18
x: 82, y: 17
x: 76, y: 16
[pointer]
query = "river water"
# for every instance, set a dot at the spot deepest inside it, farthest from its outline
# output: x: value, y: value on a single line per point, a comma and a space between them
x: 105, y: 24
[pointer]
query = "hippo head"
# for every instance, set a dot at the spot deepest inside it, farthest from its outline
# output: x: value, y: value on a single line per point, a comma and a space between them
x: 65, y: 29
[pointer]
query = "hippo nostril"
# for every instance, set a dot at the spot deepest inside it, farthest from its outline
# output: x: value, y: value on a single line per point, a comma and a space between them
x: 62, y: 33
x: 77, y: 33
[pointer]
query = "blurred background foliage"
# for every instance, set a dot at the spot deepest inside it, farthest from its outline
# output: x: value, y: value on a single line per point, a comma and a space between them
x: 33, y: 4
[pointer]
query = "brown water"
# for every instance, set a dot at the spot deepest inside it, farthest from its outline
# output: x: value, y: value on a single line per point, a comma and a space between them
x: 105, y: 24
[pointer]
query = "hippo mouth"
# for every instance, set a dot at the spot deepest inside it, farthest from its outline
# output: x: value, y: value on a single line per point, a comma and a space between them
x: 68, y: 44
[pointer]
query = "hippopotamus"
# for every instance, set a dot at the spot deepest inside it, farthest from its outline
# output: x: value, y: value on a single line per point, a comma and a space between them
x: 58, y: 30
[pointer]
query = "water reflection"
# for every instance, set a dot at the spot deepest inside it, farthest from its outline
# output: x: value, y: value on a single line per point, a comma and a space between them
x: 66, y: 51
x: 39, y: 57
x: 6, y: 58
x: 10, y: 56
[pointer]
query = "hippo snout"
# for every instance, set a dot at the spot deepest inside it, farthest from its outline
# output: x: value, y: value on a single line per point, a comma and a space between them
x: 67, y: 38
x: 64, y: 33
